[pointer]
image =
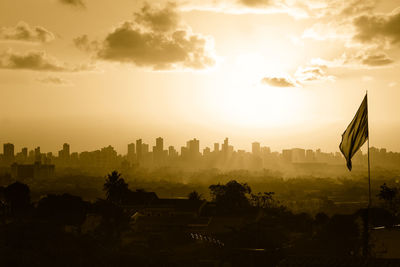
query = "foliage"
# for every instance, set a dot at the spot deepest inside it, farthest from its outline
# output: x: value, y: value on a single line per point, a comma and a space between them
x: 62, y: 209
x: 17, y: 197
x: 263, y: 200
x: 390, y: 196
x: 231, y: 196
x: 115, y: 187
x: 195, y: 196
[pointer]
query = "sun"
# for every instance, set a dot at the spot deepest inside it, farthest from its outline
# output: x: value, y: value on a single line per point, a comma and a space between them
x: 245, y: 101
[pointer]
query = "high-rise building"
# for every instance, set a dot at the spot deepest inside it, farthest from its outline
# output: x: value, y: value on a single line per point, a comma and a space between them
x: 287, y: 155
x: 298, y: 155
x: 139, y: 155
x: 66, y: 150
x: 131, y: 152
x: 24, y: 152
x: 216, y: 147
x: 255, y: 148
x: 38, y: 156
x: 160, y: 144
x: 193, y: 147
x: 158, y: 151
x: 8, y: 153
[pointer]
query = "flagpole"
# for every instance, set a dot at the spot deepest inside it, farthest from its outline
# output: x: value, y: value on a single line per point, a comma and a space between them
x: 367, y: 219
x: 369, y: 168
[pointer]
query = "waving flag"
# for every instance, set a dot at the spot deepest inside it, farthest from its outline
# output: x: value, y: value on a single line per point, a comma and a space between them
x: 356, y: 133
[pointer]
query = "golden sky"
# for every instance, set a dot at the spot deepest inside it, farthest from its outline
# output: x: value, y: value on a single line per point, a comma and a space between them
x: 285, y: 73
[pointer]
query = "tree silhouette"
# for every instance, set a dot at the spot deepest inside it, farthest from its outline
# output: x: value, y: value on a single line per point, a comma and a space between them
x: 115, y: 187
x: 263, y: 200
x: 231, y: 196
x: 194, y: 196
x: 390, y: 197
x: 62, y: 209
x: 17, y: 197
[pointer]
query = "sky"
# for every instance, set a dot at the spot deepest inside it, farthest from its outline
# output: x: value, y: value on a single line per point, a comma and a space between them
x: 285, y: 73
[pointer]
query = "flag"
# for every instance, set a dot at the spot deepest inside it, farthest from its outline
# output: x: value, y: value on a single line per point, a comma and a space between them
x: 356, y: 133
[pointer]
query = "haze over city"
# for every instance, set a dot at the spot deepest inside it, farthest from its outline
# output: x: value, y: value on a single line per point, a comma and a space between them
x: 200, y: 133
x: 284, y: 73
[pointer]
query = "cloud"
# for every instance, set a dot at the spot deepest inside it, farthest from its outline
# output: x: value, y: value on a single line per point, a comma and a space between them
x: 256, y: 3
x: 365, y: 58
x: 313, y: 73
x: 147, y: 42
x: 36, y: 60
x: 23, y: 32
x: 83, y: 43
x: 379, y: 59
x: 278, y: 81
x: 54, y: 80
x: 165, y: 19
x: 76, y: 3
x: 378, y: 28
x: 294, y: 8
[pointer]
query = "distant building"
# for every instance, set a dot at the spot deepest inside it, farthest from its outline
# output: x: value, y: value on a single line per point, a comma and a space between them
x: 33, y: 171
x: 131, y: 152
x: 8, y: 153
x: 38, y: 156
x: 298, y: 155
x: 287, y: 155
x: 216, y: 147
x: 255, y: 148
x: 139, y: 150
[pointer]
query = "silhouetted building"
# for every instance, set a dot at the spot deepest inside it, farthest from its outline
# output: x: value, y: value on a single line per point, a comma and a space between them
x: 139, y: 150
x: 35, y: 171
x: 216, y: 147
x: 8, y: 153
x: 287, y: 155
x: 255, y: 148
x: 38, y: 156
x: 131, y: 152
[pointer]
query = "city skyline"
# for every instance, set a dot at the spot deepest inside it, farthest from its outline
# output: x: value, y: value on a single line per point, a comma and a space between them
x: 157, y: 143
x: 286, y: 73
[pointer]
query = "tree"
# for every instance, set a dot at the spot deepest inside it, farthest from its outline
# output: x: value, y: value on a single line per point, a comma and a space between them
x: 62, y: 209
x: 195, y: 196
x: 231, y: 196
x: 115, y: 187
x: 390, y: 197
x: 263, y: 200
x: 18, y: 198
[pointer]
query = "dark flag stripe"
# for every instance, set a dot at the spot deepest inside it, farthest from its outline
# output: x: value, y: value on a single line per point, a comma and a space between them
x: 356, y: 133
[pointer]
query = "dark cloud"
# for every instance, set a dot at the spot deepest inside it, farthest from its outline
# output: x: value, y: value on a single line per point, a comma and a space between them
x: 54, y: 80
x: 76, y: 3
x: 255, y: 3
x: 36, y: 60
x: 23, y: 32
x: 165, y: 19
x: 278, y: 82
x: 154, y: 40
x: 372, y: 28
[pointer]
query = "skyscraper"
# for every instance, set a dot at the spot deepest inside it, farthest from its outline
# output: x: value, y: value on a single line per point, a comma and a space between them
x: 38, y: 155
x: 8, y: 151
x: 139, y: 150
x: 158, y: 151
x: 66, y: 151
x: 131, y: 152
x: 255, y: 148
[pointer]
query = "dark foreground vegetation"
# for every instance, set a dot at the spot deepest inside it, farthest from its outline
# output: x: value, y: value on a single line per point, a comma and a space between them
x: 229, y: 225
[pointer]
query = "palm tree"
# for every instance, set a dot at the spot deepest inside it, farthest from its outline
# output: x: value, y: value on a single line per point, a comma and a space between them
x: 115, y: 187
